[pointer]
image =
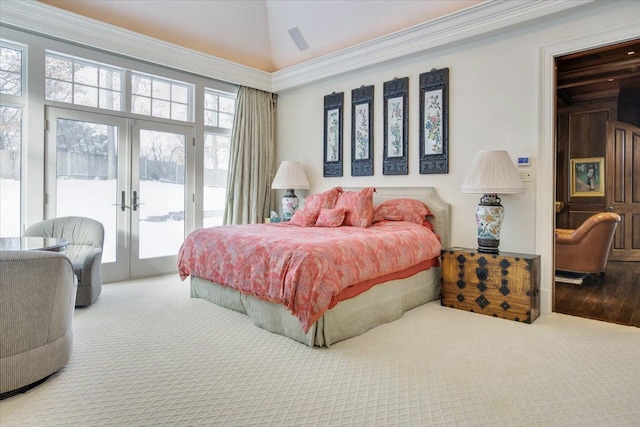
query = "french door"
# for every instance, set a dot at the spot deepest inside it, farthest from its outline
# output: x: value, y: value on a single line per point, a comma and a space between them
x: 132, y: 176
x: 623, y: 189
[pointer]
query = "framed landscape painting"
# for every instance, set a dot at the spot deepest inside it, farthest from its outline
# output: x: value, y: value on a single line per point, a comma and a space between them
x: 587, y: 177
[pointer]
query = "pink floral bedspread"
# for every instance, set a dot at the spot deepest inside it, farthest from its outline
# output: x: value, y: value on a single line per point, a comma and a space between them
x: 303, y: 267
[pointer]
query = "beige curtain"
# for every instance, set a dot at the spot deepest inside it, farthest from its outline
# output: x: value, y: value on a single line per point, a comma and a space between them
x: 252, y: 158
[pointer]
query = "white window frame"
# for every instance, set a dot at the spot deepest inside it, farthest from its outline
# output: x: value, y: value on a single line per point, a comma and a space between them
x: 19, y: 101
x: 82, y: 61
x: 23, y: 66
x: 33, y: 196
x: 219, y: 94
x: 159, y: 79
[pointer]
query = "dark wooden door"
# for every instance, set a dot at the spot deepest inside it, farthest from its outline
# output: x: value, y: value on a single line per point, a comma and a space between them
x: 582, y: 134
x: 622, y: 188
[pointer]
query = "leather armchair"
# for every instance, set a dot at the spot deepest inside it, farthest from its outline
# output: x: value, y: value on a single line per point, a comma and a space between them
x: 85, y: 237
x: 586, y: 249
x: 38, y: 291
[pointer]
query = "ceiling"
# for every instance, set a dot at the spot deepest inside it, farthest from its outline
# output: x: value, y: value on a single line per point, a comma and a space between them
x: 255, y: 33
x: 598, y: 71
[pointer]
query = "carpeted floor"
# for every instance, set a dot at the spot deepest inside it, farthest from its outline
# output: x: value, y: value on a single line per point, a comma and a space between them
x: 147, y: 354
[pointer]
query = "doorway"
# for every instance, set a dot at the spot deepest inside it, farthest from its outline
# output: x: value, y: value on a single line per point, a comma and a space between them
x: 598, y: 116
x: 130, y: 175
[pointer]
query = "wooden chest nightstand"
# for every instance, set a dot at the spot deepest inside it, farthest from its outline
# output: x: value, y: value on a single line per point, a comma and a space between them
x: 502, y: 285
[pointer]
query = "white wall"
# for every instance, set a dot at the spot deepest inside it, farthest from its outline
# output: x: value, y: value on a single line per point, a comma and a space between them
x: 495, y: 103
x: 490, y: 107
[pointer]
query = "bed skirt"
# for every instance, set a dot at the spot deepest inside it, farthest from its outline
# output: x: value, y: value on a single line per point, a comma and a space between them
x: 383, y: 303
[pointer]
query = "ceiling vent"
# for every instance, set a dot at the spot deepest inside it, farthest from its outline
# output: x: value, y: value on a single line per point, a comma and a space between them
x: 296, y: 35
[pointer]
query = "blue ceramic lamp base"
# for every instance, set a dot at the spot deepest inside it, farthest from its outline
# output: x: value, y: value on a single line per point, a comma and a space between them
x: 289, y: 205
x: 489, y: 217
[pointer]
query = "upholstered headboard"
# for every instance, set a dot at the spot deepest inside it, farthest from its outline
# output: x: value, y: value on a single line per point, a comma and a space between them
x: 428, y: 195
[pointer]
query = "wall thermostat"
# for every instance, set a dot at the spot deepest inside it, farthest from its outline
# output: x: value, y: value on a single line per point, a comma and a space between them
x: 524, y: 161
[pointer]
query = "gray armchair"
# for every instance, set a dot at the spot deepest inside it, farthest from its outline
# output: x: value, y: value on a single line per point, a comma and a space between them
x: 86, y: 238
x: 38, y: 291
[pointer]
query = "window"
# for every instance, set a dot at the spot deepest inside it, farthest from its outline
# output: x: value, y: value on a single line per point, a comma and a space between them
x: 157, y: 97
x: 216, y: 169
x: 12, y: 75
x: 86, y: 164
x: 10, y: 147
x: 10, y: 71
x: 218, y: 109
x: 82, y: 82
x: 100, y: 99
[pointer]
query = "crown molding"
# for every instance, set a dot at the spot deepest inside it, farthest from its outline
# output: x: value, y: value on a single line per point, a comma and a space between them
x: 485, y: 19
x: 51, y: 21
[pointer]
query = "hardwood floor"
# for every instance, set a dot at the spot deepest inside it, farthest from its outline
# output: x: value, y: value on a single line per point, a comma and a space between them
x: 615, y: 299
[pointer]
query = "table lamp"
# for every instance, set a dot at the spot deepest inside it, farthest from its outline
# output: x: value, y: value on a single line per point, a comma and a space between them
x: 290, y: 176
x: 491, y: 172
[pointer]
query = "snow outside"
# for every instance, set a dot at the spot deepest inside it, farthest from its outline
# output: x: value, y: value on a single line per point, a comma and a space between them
x: 161, y: 213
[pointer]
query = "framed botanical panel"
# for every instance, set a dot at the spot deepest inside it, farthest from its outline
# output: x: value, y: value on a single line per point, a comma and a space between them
x: 362, y: 131
x: 587, y: 177
x: 396, y: 127
x: 434, y: 121
x: 333, y: 108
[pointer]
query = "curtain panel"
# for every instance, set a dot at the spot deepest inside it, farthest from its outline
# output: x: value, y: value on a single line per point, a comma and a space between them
x: 252, y: 158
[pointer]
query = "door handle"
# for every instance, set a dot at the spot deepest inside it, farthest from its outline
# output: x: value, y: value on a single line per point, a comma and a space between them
x: 135, y: 204
x: 611, y: 208
x: 559, y: 206
x: 122, y: 205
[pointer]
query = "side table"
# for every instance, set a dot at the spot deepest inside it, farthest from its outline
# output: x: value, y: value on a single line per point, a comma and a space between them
x: 505, y: 285
x: 32, y: 244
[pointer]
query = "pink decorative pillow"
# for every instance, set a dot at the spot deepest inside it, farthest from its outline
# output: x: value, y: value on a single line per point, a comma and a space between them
x: 358, y: 206
x: 402, y: 209
x: 325, y: 200
x: 304, y: 218
x: 330, y: 217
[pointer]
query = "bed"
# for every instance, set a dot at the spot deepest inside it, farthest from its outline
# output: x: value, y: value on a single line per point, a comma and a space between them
x: 320, y: 323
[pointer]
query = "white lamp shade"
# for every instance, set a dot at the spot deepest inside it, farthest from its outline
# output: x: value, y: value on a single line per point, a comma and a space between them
x: 492, y: 172
x: 290, y: 175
